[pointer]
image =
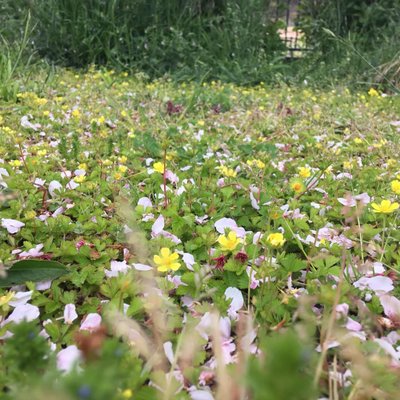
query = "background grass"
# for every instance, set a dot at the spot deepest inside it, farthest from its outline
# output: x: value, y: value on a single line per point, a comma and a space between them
x: 229, y: 40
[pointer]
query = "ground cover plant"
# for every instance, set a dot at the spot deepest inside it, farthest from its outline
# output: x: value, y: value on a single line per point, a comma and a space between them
x: 211, y: 241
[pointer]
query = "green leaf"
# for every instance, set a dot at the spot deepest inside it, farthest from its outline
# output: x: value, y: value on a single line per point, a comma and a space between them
x: 32, y: 270
x: 292, y: 263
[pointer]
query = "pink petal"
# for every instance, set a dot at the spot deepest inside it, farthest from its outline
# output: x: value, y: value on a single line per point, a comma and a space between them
x: 352, y: 325
x: 363, y: 198
x: 388, y: 348
x: 376, y: 283
x: 391, y: 307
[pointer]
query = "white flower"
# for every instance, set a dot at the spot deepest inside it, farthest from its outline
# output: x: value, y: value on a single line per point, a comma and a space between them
x: 229, y: 223
x: 70, y: 314
x: 20, y: 298
x: 12, y: 225
x: 91, y: 322
x: 67, y: 358
x: 23, y: 312
x: 53, y: 186
x: 237, y: 301
x: 116, y: 268
x: 142, y: 267
x: 34, y: 252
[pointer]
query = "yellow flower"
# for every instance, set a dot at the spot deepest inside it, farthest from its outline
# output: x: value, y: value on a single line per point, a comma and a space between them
x: 395, y: 185
x: 30, y: 214
x: 101, y: 120
x: 159, y: 167
x: 347, y: 165
x: 80, y: 178
x: 122, y: 168
x: 123, y: 159
x: 257, y: 163
x: 15, y: 163
x: 201, y: 123
x: 228, y: 172
x: 357, y: 140
x: 297, y: 186
x: 386, y: 207
x: 167, y: 260
x: 41, y: 153
x: 230, y: 242
x: 82, y: 166
x: 107, y: 162
x: 304, y: 172
x: 118, y: 176
x: 40, y: 101
x: 127, y: 394
x: 6, y: 298
x: 373, y: 92
x: 276, y: 239
x: 76, y: 113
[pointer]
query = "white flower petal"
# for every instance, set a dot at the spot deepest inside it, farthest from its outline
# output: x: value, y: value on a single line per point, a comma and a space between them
x: 158, y: 225
x: 169, y: 351
x: 12, y: 225
x: 225, y: 223
x: 54, y: 186
x: 201, y: 395
x: 188, y: 259
x: 145, y: 202
x: 237, y: 301
x: 70, y: 314
x: 142, y: 267
x: 67, y: 358
x: 23, y: 312
x: 91, y: 322
x: 20, y: 298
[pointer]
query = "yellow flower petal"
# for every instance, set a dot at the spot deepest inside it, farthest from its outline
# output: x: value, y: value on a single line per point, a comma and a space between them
x: 175, y: 266
x: 157, y: 259
x: 165, y: 252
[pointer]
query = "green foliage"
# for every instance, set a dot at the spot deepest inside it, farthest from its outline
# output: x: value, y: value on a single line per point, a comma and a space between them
x: 285, y: 370
x: 351, y: 40
x: 26, y: 353
x: 233, y: 40
x: 32, y: 271
x: 15, y: 57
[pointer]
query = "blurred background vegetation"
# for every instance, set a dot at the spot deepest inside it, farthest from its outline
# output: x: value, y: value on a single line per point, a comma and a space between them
x: 351, y: 41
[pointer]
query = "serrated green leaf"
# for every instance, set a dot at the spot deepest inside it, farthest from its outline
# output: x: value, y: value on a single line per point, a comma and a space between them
x: 292, y: 263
